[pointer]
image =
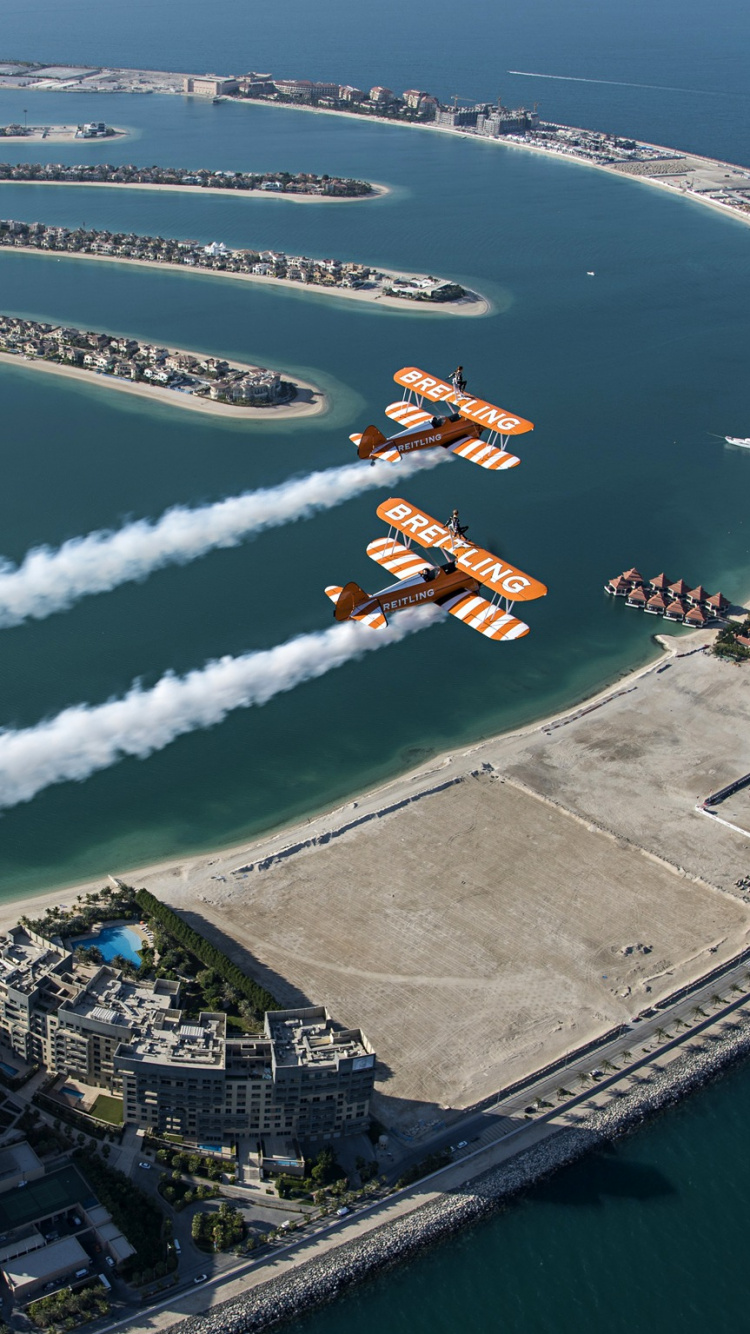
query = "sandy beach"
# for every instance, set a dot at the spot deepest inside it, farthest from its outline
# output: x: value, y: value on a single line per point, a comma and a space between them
x: 471, y: 304
x: 310, y: 401
x: 377, y: 190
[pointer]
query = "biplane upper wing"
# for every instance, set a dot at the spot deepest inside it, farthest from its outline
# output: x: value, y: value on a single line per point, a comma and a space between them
x: 475, y: 409
x: 493, y: 573
x: 373, y: 618
x: 492, y: 622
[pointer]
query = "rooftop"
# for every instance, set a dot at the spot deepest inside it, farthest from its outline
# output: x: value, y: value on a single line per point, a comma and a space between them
x: 310, y: 1037
x: 199, y: 1045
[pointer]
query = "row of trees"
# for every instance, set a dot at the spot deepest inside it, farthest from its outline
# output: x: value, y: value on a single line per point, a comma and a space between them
x: 213, y: 958
x: 135, y: 1214
x: 66, y: 1309
x: 220, y: 1230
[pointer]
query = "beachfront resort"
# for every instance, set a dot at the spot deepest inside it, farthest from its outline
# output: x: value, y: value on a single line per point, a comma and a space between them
x: 212, y: 379
x: 123, y: 1029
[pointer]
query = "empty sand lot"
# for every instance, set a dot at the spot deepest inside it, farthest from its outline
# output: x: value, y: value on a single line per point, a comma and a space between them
x: 474, y: 935
x: 507, y: 903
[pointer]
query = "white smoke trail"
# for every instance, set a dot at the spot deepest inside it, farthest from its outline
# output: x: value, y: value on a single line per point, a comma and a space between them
x: 50, y: 580
x: 85, y: 738
x: 620, y: 83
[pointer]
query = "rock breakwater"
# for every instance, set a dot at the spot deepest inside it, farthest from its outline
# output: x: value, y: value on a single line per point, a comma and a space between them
x: 322, y: 1280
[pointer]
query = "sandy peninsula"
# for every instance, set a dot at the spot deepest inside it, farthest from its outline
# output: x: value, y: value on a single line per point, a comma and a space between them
x: 471, y: 304
x: 60, y: 134
x: 309, y: 402
x: 505, y: 903
x: 377, y: 190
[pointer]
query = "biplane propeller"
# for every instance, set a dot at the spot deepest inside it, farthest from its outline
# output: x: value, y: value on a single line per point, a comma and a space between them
x: 453, y: 586
x: 460, y: 431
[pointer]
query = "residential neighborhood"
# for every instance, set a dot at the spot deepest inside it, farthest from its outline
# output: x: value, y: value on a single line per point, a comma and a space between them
x: 276, y: 182
x: 216, y: 256
x: 144, y: 363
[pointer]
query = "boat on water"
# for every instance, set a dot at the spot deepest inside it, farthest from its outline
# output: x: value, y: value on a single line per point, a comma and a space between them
x: 734, y: 440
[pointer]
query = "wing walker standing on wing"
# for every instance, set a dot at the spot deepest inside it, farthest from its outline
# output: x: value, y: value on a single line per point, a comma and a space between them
x: 460, y: 432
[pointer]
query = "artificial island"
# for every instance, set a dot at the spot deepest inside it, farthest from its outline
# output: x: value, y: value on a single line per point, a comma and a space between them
x: 334, y: 276
x: 185, y: 379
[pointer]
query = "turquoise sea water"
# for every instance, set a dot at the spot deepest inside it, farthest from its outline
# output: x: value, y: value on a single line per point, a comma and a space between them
x: 625, y: 376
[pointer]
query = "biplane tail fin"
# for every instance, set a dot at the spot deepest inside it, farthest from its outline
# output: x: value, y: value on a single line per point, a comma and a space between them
x: 369, y: 441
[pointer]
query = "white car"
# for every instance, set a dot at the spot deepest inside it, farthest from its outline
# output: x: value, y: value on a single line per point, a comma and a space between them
x: 108, y: 1260
x: 146, y: 1166
x: 342, y: 1212
x: 200, y: 1278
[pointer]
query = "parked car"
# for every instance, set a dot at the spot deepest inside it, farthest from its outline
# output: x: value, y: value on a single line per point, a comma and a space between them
x: 146, y: 1166
x: 342, y: 1212
x: 108, y: 1260
x: 200, y: 1278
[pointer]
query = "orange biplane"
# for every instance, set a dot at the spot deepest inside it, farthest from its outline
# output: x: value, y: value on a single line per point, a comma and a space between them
x: 460, y: 431
x: 453, y: 586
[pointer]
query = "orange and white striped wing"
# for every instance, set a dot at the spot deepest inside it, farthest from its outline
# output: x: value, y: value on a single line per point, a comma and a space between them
x: 374, y: 619
x: 407, y: 415
x: 486, y: 456
x: 487, y: 619
x: 400, y: 561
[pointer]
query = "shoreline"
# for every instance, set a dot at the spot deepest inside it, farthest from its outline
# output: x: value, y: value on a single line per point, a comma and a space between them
x: 473, y: 304
x: 309, y: 401
x: 225, y: 858
x: 504, y: 141
x: 378, y: 191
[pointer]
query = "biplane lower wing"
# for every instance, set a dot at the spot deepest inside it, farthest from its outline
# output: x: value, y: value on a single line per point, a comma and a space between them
x: 399, y: 560
x: 375, y: 619
x: 406, y: 414
x: 486, y: 456
x: 495, y: 574
x: 491, y: 621
x: 475, y: 409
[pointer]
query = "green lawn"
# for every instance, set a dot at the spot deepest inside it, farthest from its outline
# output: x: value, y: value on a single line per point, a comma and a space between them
x: 108, y: 1109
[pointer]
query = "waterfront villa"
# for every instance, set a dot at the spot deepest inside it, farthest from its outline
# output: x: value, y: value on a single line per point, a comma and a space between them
x: 674, y: 601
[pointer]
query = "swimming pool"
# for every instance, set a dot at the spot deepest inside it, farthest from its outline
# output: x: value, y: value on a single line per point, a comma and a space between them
x: 114, y: 940
x: 9, y: 1070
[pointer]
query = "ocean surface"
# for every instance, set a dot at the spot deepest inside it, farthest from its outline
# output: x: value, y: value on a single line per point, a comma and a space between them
x: 629, y: 377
